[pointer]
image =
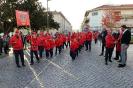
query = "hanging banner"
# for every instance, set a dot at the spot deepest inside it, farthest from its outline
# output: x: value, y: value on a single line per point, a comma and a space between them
x: 22, y: 18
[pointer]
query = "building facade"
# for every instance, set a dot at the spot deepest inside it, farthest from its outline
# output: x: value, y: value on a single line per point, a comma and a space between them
x: 65, y: 25
x: 110, y: 15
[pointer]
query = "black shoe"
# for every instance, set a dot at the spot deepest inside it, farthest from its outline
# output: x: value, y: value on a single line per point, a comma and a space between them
x: 31, y: 63
x: 106, y: 63
x: 23, y: 65
x: 116, y: 59
x: 121, y: 65
x: 18, y: 66
x: 101, y: 54
x: 110, y: 60
x: 73, y: 59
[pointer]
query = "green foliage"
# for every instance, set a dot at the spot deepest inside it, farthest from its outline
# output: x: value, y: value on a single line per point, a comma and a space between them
x: 38, y: 16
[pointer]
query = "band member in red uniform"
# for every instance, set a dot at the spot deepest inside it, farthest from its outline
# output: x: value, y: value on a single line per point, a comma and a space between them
x: 73, y: 48
x: 47, y: 47
x: 34, y: 47
x: 58, y: 44
x: 41, y: 40
x: 52, y: 44
x: 17, y: 44
x: 88, y: 40
x: 110, y: 41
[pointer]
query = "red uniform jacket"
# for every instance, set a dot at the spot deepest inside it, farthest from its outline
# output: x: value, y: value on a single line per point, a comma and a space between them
x: 89, y: 36
x: 68, y: 38
x: 34, y: 44
x: 73, y: 46
x: 57, y: 42
x: 47, y: 45
x: 16, y: 42
x: 28, y: 37
x: 52, y: 43
x: 118, y: 44
x: 61, y: 40
x: 81, y: 41
x: 41, y: 40
x: 109, y: 41
x: 64, y: 38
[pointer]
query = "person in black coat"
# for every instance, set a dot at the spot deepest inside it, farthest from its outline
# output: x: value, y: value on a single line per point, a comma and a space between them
x: 103, y: 35
x: 125, y: 41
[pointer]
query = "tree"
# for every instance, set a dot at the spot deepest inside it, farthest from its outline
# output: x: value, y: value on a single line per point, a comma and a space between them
x: 36, y: 11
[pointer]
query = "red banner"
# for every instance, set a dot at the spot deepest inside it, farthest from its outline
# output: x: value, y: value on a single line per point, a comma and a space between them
x: 22, y: 18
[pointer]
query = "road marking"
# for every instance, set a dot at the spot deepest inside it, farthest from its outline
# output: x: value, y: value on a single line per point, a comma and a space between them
x: 35, y: 74
x: 59, y: 67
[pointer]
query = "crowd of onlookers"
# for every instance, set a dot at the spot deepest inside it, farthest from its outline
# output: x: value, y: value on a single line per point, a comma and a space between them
x: 4, y: 43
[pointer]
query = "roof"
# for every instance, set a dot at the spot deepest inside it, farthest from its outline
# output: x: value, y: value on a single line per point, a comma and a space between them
x: 105, y: 7
x: 110, y: 7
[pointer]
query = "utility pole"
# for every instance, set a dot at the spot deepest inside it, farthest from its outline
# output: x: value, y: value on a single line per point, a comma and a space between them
x: 47, y: 16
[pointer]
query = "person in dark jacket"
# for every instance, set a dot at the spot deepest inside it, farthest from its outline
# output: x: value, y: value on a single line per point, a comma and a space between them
x: 103, y: 35
x: 6, y: 39
x: 125, y: 40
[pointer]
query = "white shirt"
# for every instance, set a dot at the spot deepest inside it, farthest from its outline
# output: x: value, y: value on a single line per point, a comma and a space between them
x: 125, y: 31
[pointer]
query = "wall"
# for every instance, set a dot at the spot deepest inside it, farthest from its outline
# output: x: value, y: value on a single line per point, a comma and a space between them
x: 95, y: 19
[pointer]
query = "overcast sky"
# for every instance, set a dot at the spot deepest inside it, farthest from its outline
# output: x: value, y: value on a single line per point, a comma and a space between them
x: 74, y: 10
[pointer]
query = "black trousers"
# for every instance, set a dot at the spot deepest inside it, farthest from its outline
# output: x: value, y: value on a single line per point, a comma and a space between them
x: 117, y: 55
x: 6, y: 49
x: 0, y: 49
x: 68, y: 43
x: 77, y: 52
x: 96, y: 41
x: 47, y: 53
x: 51, y: 52
x: 41, y: 49
x: 64, y: 44
x: 17, y: 54
x: 73, y: 55
x: 80, y: 47
x: 58, y: 49
x: 88, y: 43
x: 108, y: 54
x: 32, y: 53
x: 103, y: 46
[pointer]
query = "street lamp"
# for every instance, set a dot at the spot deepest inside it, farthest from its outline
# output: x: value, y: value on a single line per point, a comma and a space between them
x: 47, y: 15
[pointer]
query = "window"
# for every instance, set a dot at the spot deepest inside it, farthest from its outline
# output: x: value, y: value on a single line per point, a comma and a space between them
x: 94, y: 13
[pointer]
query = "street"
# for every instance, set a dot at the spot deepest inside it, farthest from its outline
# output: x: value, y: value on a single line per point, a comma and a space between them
x: 87, y: 71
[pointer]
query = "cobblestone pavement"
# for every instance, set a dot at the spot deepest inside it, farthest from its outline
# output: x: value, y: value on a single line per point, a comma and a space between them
x: 87, y: 71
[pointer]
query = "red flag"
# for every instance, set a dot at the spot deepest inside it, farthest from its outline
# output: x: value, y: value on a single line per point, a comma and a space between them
x: 22, y: 18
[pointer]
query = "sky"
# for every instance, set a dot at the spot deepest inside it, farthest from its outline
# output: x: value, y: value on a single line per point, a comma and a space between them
x: 74, y: 10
